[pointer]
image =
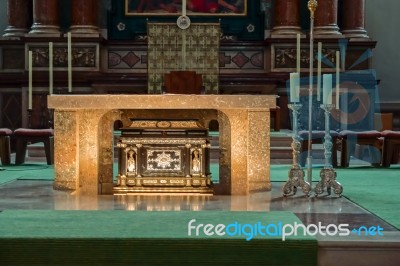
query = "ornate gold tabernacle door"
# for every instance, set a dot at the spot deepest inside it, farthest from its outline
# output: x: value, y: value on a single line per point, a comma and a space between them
x: 164, y: 156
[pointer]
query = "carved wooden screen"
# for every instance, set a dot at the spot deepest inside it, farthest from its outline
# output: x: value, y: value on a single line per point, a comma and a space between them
x: 171, y: 48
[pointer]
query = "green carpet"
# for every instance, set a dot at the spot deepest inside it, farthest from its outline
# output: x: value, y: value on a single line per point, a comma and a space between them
x: 32, y: 171
x: 144, y: 238
x: 374, y: 189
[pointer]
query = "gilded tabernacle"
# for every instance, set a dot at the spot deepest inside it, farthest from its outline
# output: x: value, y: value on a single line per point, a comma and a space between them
x: 164, y: 156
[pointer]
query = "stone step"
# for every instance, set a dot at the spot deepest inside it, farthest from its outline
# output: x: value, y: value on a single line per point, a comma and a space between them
x: 35, y: 150
x: 281, y: 142
x: 281, y: 152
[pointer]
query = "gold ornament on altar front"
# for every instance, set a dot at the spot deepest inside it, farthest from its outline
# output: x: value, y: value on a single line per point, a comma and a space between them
x: 312, y: 6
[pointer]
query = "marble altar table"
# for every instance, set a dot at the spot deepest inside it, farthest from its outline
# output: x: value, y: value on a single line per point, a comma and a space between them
x: 83, y: 137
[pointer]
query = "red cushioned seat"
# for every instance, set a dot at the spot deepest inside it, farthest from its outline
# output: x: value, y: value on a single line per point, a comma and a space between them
x: 34, y: 132
x: 5, y: 150
x: 360, y: 134
x: 5, y: 132
x: 390, y: 134
x: 371, y: 138
x: 391, y: 147
x: 317, y: 134
x: 23, y: 136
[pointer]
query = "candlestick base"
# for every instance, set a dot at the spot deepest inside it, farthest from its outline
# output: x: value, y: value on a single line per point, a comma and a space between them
x: 328, y: 181
x: 296, y: 179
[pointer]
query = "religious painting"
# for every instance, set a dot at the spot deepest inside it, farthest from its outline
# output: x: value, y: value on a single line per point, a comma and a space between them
x: 239, y: 19
x: 193, y: 7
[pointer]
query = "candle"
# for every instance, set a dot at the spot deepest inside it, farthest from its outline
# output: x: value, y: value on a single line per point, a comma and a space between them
x: 294, y: 87
x: 30, y: 80
x: 298, y: 54
x: 69, y: 62
x: 319, y: 71
x: 50, y: 68
x: 184, y: 8
x: 337, y: 78
x: 327, y: 89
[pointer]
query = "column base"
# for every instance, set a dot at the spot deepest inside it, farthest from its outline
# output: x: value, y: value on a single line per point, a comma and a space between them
x: 69, y: 186
x: 45, y: 30
x: 12, y: 31
x: 356, y: 33
x: 327, y: 32
x: 84, y: 30
x: 285, y: 32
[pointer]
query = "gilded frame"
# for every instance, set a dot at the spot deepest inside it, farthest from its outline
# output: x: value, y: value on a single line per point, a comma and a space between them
x: 220, y: 8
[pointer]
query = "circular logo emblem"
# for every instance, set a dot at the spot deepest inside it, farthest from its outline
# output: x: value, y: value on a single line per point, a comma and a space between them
x: 183, y: 22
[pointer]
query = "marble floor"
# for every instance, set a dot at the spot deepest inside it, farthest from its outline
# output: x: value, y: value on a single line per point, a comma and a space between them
x: 39, y: 195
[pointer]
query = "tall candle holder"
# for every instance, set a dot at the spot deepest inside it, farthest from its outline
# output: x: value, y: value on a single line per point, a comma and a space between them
x: 29, y: 111
x: 312, y: 7
x: 328, y: 174
x: 50, y: 118
x: 296, y: 174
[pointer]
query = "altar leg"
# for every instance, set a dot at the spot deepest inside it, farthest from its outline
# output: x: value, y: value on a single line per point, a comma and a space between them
x: 238, y: 120
x: 249, y: 151
x: 89, y: 150
x: 66, y: 144
x: 258, y: 153
x: 77, y: 150
x: 106, y: 152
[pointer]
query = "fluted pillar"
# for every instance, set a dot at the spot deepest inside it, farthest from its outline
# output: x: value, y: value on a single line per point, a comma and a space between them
x: 18, y: 18
x: 287, y: 18
x: 353, y: 18
x: 84, y: 17
x: 45, y: 17
x: 326, y: 19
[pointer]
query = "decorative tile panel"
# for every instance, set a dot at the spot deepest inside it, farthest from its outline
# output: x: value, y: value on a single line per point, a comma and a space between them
x: 171, y: 48
x: 85, y: 56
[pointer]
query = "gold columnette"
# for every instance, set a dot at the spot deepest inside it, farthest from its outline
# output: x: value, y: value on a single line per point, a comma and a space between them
x: 312, y: 6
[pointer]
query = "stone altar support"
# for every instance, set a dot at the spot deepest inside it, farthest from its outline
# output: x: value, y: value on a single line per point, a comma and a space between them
x: 83, y: 137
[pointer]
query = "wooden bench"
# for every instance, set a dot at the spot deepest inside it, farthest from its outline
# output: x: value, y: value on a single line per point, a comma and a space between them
x: 23, y: 136
x: 5, y: 151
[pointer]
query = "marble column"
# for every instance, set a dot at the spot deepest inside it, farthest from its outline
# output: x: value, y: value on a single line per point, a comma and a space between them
x: 45, y: 17
x: 18, y: 18
x: 84, y: 17
x: 326, y: 19
x: 287, y: 19
x: 353, y: 18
